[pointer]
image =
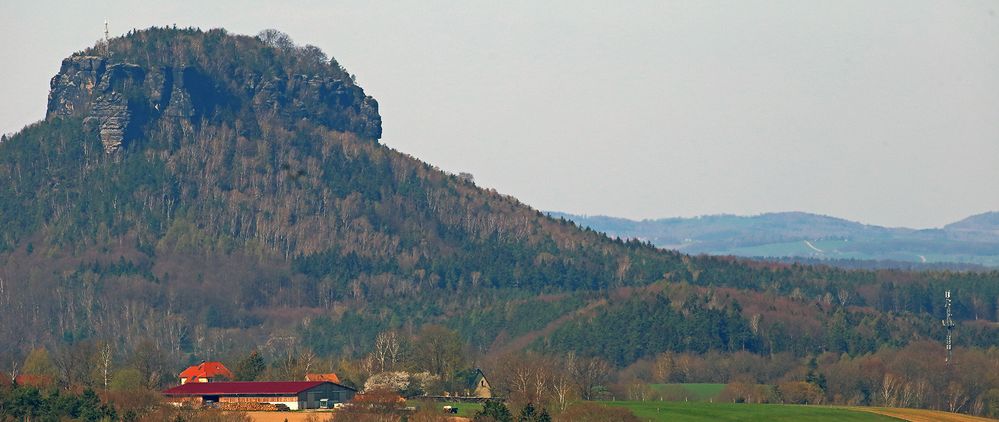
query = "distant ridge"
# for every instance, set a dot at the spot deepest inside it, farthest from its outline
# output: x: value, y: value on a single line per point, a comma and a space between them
x: 980, y: 223
x: 973, y: 241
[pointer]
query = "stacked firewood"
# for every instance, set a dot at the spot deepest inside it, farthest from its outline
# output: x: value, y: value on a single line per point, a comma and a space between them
x: 250, y: 406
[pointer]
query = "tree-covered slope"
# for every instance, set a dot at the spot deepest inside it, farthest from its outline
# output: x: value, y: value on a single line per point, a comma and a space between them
x: 223, y: 173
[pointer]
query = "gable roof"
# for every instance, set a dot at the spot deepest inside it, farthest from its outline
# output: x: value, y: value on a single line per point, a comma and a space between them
x: 473, y: 379
x: 331, y: 377
x: 243, y: 387
x: 206, y: 370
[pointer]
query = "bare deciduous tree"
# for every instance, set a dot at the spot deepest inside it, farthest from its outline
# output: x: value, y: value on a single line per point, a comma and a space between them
x: 844, y: 296
x: 663, y: 366
x: 275, y: 38
x: 956, y: 397
x: 13, y: 370
x: 386, y: 351
x: 891, y: 387
x: 588, y: 374
x: 307, y: 359
x: 562, y: 388
x: 105, y: 355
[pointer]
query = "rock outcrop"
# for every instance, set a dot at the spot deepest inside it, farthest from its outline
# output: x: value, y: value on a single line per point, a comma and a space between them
x: 116, y: 99
x: 113, y: 99
x: 110, y: 114
x: 73, y: 87
x: 329, y: 101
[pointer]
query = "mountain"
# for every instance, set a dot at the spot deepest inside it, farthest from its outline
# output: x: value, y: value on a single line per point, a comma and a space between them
x: 972, y: 241
x: 207, y: 179
x: 196, y: 194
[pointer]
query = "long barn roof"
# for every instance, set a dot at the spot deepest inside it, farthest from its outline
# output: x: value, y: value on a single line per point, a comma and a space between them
x: 224, y: 388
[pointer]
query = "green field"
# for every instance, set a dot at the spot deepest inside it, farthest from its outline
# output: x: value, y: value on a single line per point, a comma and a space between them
x: 831, y: 249
x: 688, y: 391
x: 674, y: 411
x: 842, y: 249
x: 466, y: 410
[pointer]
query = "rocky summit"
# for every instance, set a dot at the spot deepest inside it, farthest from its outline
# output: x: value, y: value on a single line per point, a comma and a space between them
x: 117, y: 98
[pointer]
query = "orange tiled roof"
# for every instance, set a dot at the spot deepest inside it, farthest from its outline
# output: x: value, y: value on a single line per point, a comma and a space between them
x: 323, y: 377
x: 206, y: 370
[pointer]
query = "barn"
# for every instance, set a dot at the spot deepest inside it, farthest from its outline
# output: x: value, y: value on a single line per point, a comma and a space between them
x: 294, y: 394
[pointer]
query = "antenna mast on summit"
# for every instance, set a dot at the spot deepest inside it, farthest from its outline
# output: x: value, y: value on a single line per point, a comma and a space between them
x: 107, y: 40
x: 949, y: 325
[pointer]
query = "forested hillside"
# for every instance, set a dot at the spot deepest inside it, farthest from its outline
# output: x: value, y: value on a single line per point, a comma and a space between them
x: 258, y: 182
x: 200, y: 195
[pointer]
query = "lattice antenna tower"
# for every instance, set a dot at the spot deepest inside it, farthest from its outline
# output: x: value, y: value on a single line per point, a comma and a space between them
x: 106, y: 42
x: 949, y: 325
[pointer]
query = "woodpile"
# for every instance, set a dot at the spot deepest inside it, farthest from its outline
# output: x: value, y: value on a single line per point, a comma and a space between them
x: 251, y: 406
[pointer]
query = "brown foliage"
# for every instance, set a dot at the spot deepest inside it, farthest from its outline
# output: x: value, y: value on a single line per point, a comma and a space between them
x: 745, y: 392
x: 800, y: 392
x: 138, y: 400
x: 379, y: 398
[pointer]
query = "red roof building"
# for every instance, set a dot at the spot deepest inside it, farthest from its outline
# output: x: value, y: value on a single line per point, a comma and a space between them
x: 294, y: 394
x: 331, y: 377
x: 205, y: 372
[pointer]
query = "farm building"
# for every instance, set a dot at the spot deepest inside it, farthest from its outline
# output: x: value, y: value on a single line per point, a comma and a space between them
x: 294, y: 394
x: 478, y: 385
x: 331, y: 377
x: 473, y: 388
x: 205, y: 372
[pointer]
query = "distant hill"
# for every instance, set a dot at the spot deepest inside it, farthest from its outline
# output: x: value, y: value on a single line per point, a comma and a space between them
x: 985, y: 224
x: 972, y: 241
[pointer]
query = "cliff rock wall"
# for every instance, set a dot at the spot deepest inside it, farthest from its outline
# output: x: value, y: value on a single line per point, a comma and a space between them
x: 117, y: 99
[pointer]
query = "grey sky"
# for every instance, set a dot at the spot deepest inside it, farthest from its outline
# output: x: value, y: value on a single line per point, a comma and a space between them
x: 883, y: 112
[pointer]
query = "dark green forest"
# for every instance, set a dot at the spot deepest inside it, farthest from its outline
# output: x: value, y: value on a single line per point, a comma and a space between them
x: 251, y: 207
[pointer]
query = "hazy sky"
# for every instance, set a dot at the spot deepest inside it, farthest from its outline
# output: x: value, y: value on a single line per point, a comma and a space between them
x: 885, y: 112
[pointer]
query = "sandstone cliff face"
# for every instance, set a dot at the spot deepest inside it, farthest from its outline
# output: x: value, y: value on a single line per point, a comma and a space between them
x: 117, y: 99
x: 72, y: 88
x: 88, y: 86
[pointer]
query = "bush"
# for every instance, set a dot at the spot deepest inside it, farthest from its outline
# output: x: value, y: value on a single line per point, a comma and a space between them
x: 744, y: 392
x: 493, y: 411
x: 800, y: 392
x: 127, y: 379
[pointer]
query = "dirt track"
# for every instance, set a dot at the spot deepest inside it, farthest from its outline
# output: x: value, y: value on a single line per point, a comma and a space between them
x: 289, y: 416
x: 921, y: 415
x: 304, y: 417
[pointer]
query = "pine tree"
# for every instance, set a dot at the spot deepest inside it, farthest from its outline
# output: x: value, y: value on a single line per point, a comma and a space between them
x: 250, y: 367
x: 493, y: 411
